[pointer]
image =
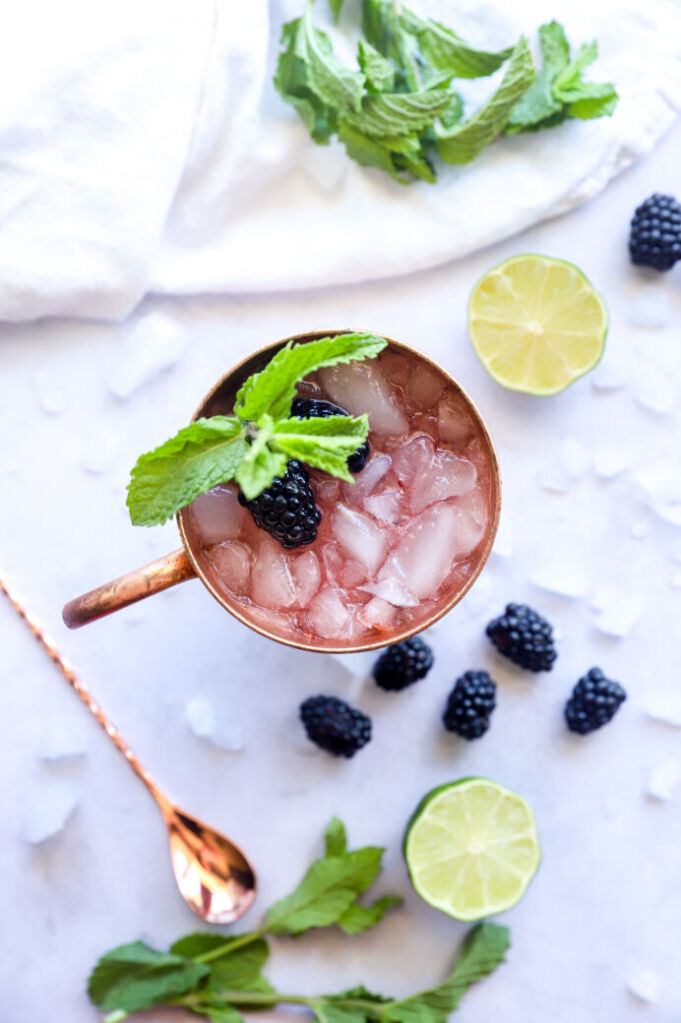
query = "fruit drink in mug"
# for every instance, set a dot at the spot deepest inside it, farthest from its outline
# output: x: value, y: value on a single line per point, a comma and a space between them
x: 392, y: 549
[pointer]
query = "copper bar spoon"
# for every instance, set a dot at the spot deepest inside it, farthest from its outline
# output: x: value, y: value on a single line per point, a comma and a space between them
x: 213, y: 876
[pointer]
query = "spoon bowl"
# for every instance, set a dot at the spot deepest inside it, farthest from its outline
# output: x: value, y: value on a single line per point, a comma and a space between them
x: 213, y: 876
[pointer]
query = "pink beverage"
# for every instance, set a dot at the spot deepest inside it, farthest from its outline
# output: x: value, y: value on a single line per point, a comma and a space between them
x: 395, y: 548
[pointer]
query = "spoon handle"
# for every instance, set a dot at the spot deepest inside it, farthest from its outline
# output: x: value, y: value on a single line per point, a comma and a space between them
x: 91, y: 704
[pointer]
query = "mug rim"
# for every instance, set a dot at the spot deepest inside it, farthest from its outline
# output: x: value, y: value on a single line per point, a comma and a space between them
x: 375, y: 643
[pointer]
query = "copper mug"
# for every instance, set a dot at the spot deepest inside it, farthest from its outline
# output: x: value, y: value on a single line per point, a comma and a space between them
x: 190, y: 562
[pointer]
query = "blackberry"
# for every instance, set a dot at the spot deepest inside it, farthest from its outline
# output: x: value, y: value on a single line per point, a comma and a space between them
x: 287, y: 509
x: 595, y: 700
x: 470, y: 705
x: 402, y: 664
x: 655, y: 236
x: 524, y: 637
x: 315, y: 408
x: 334, y: 725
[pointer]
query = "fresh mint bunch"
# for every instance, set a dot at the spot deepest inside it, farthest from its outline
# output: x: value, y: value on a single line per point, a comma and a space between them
x: 399, y: 110
x: 218, y: 977
x: 253, y: 445
x: 559, y: 90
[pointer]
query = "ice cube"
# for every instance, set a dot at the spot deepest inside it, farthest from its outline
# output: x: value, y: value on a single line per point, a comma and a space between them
x: 355, y: 665
x: 367, y: 480
x: 480, y: 595
x: 155, y: 344
x: 361, y: 387
x: 62, y: 741
x: 385, y: 507
x: 663, y: 779
x: 503, y: 542
x: 327, y: 491
x: 655, y: 389
x: 100, y: 453
x: 664, y: 708
x: 645, y: 984
x: 392, y: 590
x: 554, y: 479
x: 218, y: 514
x: 455, y: 423
x: 651, y: 307
x: 441, y: 535
x: 203, y: 721
x: 307, y: 577
x: 232, y: 562
x: 429, y: 476
x: 425, y: 385
x: 351, y: 575
x: 332, y: 561
x: 328, y: 614
x: 326, y: 166
x: 613, y: 371
x: 377, y: 614
x: 272, y: 584
x: 360, y: 537
x: 272, y: 621
x: 50, y: 392
x: 574, y: 458
x: 610, y: 461
x: 617, y: 610
x: 47, y: 809
x: 639, y: 530
x: 562, y: 576
x: 660, y: 483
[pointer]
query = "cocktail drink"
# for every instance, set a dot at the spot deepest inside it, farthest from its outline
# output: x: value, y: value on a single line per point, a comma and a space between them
x: 396, y: 548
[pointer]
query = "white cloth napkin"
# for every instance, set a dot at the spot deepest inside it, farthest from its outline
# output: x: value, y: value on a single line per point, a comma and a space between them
x: 143, y: 148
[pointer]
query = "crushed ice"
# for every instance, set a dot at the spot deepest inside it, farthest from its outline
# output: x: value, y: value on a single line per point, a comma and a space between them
x: 660, y: 486
x: 616, y: 610
x: 155, y: 344
x: 203, y: 721
x: 651, y: 307
x: 50, y: 392
x: 645, y: 984
x: 663, y: 779
x: 611, y: 461
x: 47, y: 808
x: 562, y: 576
x: 655, y: 389
x: 664, y: 708
x: 61, y: 742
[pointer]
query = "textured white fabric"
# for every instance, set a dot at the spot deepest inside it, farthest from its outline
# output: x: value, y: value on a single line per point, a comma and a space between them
x: 143, y: 148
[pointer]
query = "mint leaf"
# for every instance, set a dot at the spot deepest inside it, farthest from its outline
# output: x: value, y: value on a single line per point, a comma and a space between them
x: 462, y: 143
x: 447, y: 51
x: 555, y: 47
x: 260, y: 464
x: 336, y: 6
x: 273, y: 389
x: 133, y: 977
x: 335, y: 838
x: 220, y: 1013
x: 378, y: 152
x: 324, y: 443
x: 241, y: 970
x: 357, y: 918
x: 326, y: 891
x: 197, y: 458
x: 379, y: 72
x: 291, y: 80
x: 394, y: 114
x: 598, y: 100
x: 482, y: 951
x: 331, y: 81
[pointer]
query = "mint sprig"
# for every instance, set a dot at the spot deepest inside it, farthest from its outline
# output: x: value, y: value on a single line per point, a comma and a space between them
x: 253, y: 445
x: 399, y: 109
x: 219, y: 977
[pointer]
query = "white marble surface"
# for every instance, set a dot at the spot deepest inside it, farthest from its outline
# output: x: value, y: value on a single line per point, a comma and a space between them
x: 607, y: 899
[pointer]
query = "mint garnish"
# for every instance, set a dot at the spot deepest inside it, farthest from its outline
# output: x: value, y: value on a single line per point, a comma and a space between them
x: 218, y: 977
x: 399, y: 109
x: 253, y: 445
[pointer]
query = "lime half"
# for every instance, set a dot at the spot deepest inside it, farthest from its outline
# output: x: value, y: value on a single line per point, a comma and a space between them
x: 472, y: 848
x: 537, y: 324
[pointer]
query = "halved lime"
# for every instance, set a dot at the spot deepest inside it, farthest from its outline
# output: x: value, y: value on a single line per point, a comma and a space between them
x: 472, y: 848
x: 537, y: 324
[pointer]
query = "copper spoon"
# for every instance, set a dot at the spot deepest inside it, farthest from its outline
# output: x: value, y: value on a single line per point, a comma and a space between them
x: 214, y: 877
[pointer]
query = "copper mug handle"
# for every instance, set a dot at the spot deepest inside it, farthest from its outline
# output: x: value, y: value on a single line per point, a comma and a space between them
x: 128, y: 589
